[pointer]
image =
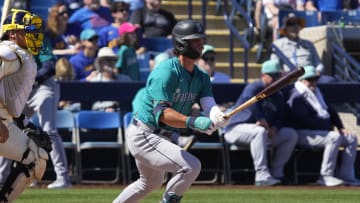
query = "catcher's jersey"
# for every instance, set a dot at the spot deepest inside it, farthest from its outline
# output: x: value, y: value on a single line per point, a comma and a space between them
x: 171, y: 82
x: 16, y: 84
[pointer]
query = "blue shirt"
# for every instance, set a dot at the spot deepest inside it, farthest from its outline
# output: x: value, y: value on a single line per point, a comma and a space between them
x: 85, y: 18
x: 272, y: 108
x: 82, y: 64
x: 328, y: 5
x: 106, y: 36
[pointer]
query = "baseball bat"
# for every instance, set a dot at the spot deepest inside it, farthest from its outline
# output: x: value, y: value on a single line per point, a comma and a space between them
x: 271, y: 89
x: 5, y: 12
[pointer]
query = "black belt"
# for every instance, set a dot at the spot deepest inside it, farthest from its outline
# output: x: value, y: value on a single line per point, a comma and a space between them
x: 139, y: 123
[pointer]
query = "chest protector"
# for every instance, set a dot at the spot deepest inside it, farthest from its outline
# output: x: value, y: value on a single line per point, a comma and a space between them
x: 17, y: 76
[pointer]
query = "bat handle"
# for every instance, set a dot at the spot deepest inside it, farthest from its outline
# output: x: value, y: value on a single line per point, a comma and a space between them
x: 241, y: 107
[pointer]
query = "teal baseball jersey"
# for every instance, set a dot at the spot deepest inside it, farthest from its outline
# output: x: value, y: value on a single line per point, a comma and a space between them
x: 128, y: 62
x: 170, y: 82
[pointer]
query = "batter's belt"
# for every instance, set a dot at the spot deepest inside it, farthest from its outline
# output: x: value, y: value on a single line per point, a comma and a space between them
x: 139, y: 124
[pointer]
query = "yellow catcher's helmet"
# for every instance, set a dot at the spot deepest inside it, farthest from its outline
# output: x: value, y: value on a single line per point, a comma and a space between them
x: 30, y: 23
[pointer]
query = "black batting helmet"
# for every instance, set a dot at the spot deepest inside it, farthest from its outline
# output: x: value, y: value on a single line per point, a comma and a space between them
x: 187, y: 30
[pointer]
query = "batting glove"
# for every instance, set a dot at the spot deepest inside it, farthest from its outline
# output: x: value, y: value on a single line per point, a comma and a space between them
x: 217, y: 117
x: 201, y: 124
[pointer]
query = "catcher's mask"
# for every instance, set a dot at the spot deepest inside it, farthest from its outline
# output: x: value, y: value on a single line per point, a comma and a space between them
x: 30, y: 23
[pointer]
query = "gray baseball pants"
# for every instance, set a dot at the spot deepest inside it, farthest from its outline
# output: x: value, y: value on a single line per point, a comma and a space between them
x: 256, y: 136
x: 154, y: 156
x: 331, y: 141
x: 44, y: 101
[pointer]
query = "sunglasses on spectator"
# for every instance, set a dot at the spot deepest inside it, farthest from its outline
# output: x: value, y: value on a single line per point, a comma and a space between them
x: 313, y: 79
x: 93, y: 39
x: 208, y: 58
x: 122, y: 10
x: 292, y: 23
x: 62, y: 13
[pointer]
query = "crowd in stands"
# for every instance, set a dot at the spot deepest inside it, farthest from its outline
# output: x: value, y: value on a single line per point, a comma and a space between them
x: 78, y: 29
x: 101, y: 40
x: 267, y: 16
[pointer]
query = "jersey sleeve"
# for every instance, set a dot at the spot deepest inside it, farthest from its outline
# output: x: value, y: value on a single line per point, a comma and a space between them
x: 206, y: 91
x: 161, y: 85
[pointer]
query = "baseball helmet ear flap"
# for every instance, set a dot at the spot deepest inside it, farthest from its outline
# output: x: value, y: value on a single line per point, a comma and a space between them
x: 179, y: 44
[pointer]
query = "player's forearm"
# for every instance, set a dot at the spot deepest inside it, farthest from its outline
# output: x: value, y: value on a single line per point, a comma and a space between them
x: 173, y: 118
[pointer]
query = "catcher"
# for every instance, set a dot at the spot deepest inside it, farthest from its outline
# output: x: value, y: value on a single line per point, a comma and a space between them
x: 19, y: 141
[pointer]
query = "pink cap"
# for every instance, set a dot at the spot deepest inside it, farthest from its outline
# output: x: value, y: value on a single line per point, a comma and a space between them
x: 126, y: 28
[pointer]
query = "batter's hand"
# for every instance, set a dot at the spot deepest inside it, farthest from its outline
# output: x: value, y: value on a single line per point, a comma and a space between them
x: 201, y: 123
x: 4, y: 133
x: 218, y: 117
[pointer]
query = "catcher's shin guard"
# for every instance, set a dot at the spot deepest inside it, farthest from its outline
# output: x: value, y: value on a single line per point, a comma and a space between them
x: 30, y: 162
x: 21, y: 176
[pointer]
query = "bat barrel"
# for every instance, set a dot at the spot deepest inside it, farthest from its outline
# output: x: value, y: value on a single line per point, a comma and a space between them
x: 272, y: 88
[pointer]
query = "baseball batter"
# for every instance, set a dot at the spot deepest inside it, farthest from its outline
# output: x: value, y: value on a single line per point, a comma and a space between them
x: 171, y: 90
x: 21, y: 39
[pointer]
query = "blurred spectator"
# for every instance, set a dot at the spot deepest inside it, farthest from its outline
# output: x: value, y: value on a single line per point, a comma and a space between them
x: 108, y: 35
x: 134, y: 4
x: 258, y: 9
x: 105, y: 3
x: 105, y: 67
x: 315, y: 121
x: 207, y: 62
x: 64, y: 71
x: 263, y: 123
x: 271, y: 10
x: 127, y: 63
x: 153, y: 20
x: 84, y: 60
x: 90, y: 16
x: 299, y: 52
x: 62, y: 44
x: 73, y: 5
x: 105, y: 72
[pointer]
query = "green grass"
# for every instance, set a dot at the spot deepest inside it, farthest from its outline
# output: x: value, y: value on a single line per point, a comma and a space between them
x: 196, y: 194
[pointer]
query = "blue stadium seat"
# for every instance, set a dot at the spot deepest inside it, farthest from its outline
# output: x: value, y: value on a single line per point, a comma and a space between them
x: 157, y: 44
x: 351, y: 17
x: 144, y: 60
x: 311, y: 17
x: 101, y: 132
